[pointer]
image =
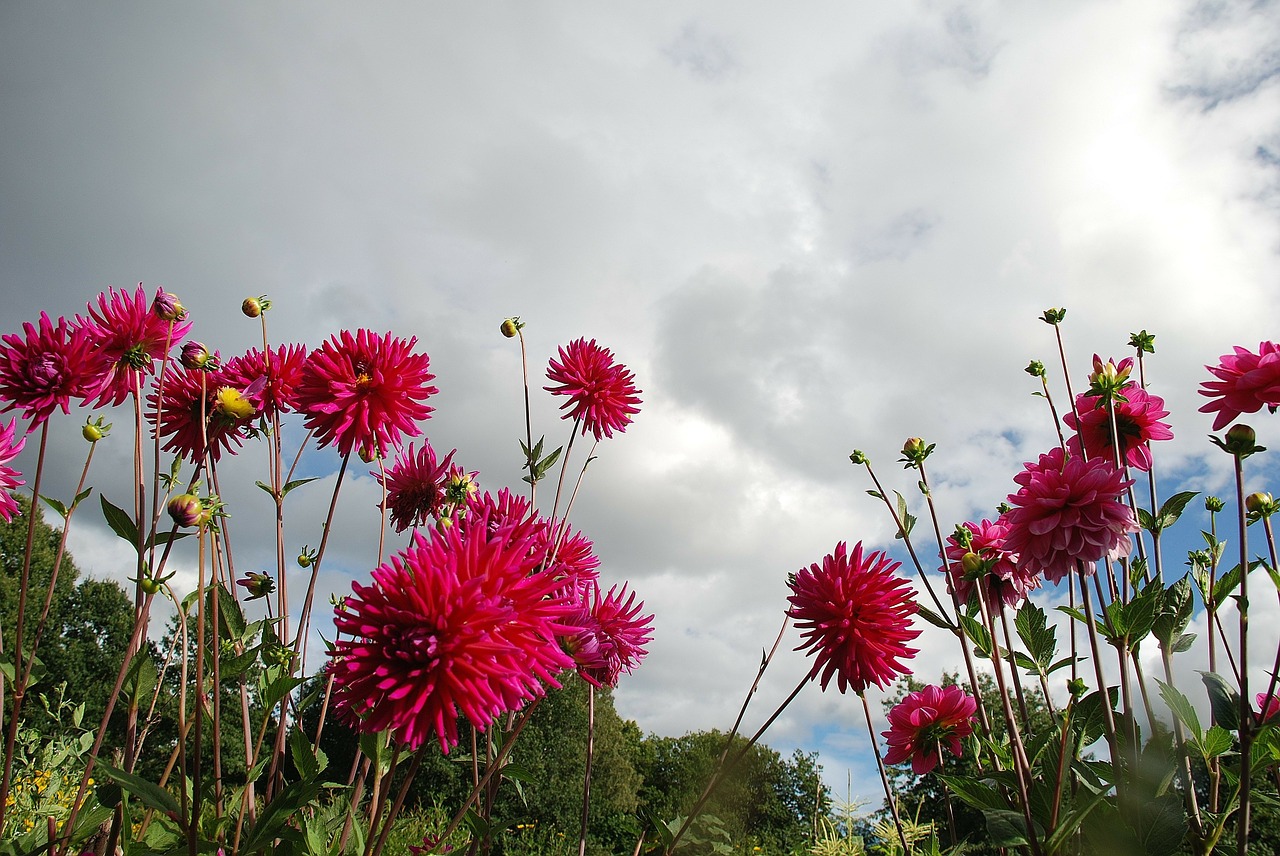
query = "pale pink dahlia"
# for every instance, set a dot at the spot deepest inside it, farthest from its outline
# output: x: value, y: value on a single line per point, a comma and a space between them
x: 44, y: 369
x: 458, y: 625
x: 364, y: 391
x: 1245, y: 382
x: 131, y: 332
x: 609, y: 635
x: 271, y: 383
x: 855, y: 617
x: 188, y: 396
x: 10, y: 445
x: 924, y: 721
x: 602, y: 393
x: 992, y: 570
x: 416, y: 483
x: 1137, y: 422
x: 1068, y: 510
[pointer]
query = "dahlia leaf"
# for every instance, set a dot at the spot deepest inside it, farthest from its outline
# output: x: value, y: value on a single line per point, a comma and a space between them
x: 142, y: 677
x: 55, y: 505
x: 230, y: 616
x: 935, y: 619
x: 278, y: 689
x: 978, y: 635
x: 1173, y: 507
x: 273, y: 822
x: 976, y: 793
x: 304, y: 758
x: 1176, y: 607
x: 151, y: 795
x: 233, y: 667
x: 1223, y: 700
x: 1183, y: 643
x: 1181, y: 707
x: 119, y: 521
x: 1137, y: 570
x: 1146, y: 521
x: 1060, y: 664
x: 1007, y: 828
x: 1226, y: 584
x: 295, y: 483
x: 1089, y: 717
x: 1067, y: 826
x: 1217, y: 740
x: 1033, y: 630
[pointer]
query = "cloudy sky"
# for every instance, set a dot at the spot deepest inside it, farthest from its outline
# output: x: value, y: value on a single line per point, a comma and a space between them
x: 807, y: 229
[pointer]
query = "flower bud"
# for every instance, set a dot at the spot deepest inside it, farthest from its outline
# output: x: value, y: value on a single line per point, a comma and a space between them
x: 186, y: 509
x: 194, y: 356
x: 972, y: 565
x: 306, y: 558
x: 258, y: 584
x: 168, y: 307
x: 95, y: 429
x: 1213, y: 504
x: 150, y: 585
x: 1035, y: 368
x: 367, y: 454
x: 1241, y: 441
x: 858, y: 458
x: 509, y: 328
x: 251, y: 307
x: 1260, y: 504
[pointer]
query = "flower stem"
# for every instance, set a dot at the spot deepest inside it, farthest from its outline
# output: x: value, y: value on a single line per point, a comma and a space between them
x: 884, y: 777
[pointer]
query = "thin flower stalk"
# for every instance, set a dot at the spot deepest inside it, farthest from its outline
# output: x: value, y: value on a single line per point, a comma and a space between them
x: 398, y: 803
x: 1091, y: 625
x: 1246, y: 711
x: 586, y: 779
x: 889, y: 795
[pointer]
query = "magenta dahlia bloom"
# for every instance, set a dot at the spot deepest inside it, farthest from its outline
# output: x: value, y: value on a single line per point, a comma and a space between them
x: 602, y: 393
x: 10, y: 445
x: 132, y: 334
x: 993, y: 568
x: 187, y: 397
x: 924, y: 721
x: 1137, y: 422
x: 609, y: 635
x: 364, y: 391
x: 1245, y: 382
x: 416, y: 484
x: 44, y: 369
x: 1267, y: 707
x: 270, y: 384
x: 461, y: 624
x: 1068, y: 510
x: 855, y: 617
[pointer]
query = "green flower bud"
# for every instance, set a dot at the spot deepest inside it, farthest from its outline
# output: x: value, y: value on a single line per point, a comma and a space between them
x: 510, y: 327
x: 1213, y: 504
x: 186, y: 509
x: 858, y: 458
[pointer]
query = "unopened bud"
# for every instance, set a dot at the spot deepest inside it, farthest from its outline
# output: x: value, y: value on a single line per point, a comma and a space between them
x: 95, y: 429
x: 1213, y: 504
x: 973, y: 565
x: 168, y: 306
x: 251, y: 307
x: 186, y: 509
x: 509, y: 327
x: 258, y: 584
x: 194, y: 356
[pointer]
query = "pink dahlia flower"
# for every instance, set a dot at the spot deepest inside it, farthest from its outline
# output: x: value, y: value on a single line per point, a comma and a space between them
x: 855, y: 617
x: 1068, y: 510
x: 416, y: 483
x: 188, y: 396
x: 1267, y: 707
x: 1245, y: 382
x: 132, y: 334
x: 602, y: 393
x: 995, y: 569
x: 1137, y: 422
x: 609, y: 635
x: 364, y: 391
x: 47, y: 367
x: 460, y: 624
x: 270, y: 384
x: 10, y: 445
x: 924, y: 721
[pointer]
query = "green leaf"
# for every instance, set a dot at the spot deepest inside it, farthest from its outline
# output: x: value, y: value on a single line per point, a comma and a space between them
x: 1226, y: 586
x: 1217, y: 740
x: 274, y: 818
x: 1181, y: 707
x: 1224, y: 701
x: 935, y: 619
x: 1183, y: 643
x: 1007, y: 828
x: 55, y: 505
x: 1140, y: 615
x: 230, y: 615
x: 149, y: 794
x: 141, y: 679
x: 1176, y: 607
x: 278, y: 689
x: 1173, y: 507
x: 304, y: 758
x: 119, y: 521
x: 978, y: 635
x: 1145, y: 520
x: 294, y: 484
x: 977, y: 794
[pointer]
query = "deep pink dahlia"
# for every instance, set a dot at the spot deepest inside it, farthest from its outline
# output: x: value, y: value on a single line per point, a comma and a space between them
x: 1137, y: 422
x: 270, y: 384
x: 1267, y: 707
x: 602, y: 393
x: 460, y: 624
x: 132, y: 334
x: 1245, y: 382
x: 924, y: 721
x: 1068, y: 510
x: 609, y: 635
x: 855, y: 617
x: 416, y: 484
x: 995, y: 568
x: 10, y: 445
x: 187, y: 397
x: 45, y: 369
x: 365, y: 391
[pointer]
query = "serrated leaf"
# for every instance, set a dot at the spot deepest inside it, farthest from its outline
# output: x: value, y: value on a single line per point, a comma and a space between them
x: 976, y: 793
x: 1173, y: 507
x: 268, y: 489
x: 1225, y: 586
x: 1176, y: 607
x: 978, y: 635
x: 304, y: 759
x: 1217, y: 740
x: 1006, y: 828
x: 55, y: 505
x: 1224, y: 701
x: 1145, y: 520
x: 149, y: 794
x: 935, y: 619
x: 142, y: 677
x: 1183, y: 643
x: 120, y: 522
x: 230, y: 615
x: 1181, y: 707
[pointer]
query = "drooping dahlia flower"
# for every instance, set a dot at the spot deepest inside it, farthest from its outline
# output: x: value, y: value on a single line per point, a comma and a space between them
x: 187, y: 397
x: 1137, y: 422
x: 1245, y: 382
x: 926, y: 720
x: 609, y: 635
x: 10, y: 445
x: 132, y: 334
x: 363, y: 391
x: 269, y: 384
x: 48, y: 366
x: 855, y: 618
x: 994, y: 570
x: 460, y: 624
x: 1068, y: 510
x: 601, y: 392
x: 416, y: 483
